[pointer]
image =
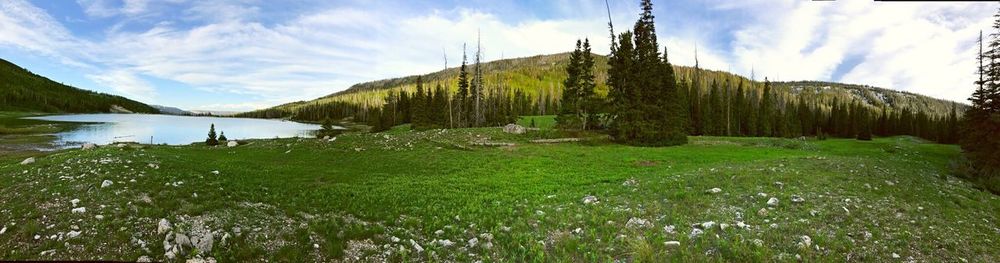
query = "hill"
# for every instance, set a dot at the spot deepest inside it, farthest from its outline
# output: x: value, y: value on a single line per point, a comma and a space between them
x: 540, y: 77
x: 22, y: 90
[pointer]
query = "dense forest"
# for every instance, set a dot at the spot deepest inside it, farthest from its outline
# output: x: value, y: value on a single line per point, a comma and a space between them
x: 22, y: 90
x: 980, y: 138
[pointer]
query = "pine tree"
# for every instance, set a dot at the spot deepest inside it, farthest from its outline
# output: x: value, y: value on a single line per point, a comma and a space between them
x: 212, y: 140
x: 222, y: 137
x: 462, y: 97
x: 765, y: 117
x: 981, y: 126
x: 569, y: 104
x: 865, y: 129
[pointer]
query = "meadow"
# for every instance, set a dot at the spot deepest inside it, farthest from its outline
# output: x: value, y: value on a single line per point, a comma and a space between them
x: 435, y: 195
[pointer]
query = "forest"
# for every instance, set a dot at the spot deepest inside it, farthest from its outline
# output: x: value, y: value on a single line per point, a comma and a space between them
x: 23, y: 90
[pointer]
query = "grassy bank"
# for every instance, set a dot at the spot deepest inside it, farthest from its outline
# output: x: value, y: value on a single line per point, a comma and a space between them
x: 436, y: 196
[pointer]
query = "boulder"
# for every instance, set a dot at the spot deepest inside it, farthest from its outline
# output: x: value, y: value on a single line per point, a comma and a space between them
x: 106, y: 183
x: 232, y: 144
x: 714, y: 190
x: 797, y: 199
x: 514, y: 129
x: 88, y: 146
x: 163, y: 226
x: 590, y: 199
x: 79, y: 210
x: 772, y: 202
x: 30, y: 160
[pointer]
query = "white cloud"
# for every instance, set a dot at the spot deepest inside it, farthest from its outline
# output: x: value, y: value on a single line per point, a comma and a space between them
x: 126, y: 83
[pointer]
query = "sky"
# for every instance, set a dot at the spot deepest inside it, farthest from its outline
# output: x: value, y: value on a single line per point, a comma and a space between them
x: 239, y: 55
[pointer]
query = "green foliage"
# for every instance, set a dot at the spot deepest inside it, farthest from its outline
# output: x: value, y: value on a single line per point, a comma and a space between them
x: 22, y: 90
x: 211, y: 140
x: 222, y: 137
x: 981, y: 126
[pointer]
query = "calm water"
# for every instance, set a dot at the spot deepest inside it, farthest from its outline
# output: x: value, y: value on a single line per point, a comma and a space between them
x: 169, y: 129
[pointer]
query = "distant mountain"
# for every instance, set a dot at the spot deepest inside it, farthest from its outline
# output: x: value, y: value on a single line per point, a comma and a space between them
x: 541, y: 78
x: 171, y: 110
x: 22, y: 90
x: 213, y: 113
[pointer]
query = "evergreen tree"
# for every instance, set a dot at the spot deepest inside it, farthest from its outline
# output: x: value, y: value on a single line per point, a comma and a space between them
x: 765, y: 117
x: 212, y: 140
x: 865, y: 129
x: 222, y: 137
x: 980, y: 140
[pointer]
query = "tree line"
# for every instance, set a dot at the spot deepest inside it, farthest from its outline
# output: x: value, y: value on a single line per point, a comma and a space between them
x: 980, y: 138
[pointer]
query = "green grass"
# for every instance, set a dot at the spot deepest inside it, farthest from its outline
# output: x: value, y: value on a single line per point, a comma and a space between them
x: 541, y: 121
x: 313, y: 200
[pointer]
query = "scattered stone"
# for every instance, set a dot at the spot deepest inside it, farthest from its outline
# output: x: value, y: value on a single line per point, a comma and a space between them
x: 232, y: 144
x: 88, y: 146
x: 695, y: 232
x: 394, y: 239
x: 740, y: 224
x: 772, y: 202
x: 216, y: 172
x: 28, y: 161
x: 74, y: 202
x: 758, y: 242
x: 813, y: 212
x: 669, y: 229
x: 73, y: 234
x: 714, y: 190
x: 472, y: 242
x: 587, y: 200
x: 79, y: 210
x: 805, y: 241
x: 445, y: 243
x: 723, y: 226
x: 182, y: 240
x: 439, y: 232
x: 894, y: 255
x: 514, y: 129
x: 416, y: 246
x: 144, y: 259
x: 638, y: 223
x: 164, y: 226
x: 316, y: 246
x: 672, y: 243
x: 106, y: 183
x: 762, y: 212
x: 706, y: 225
x: 577, y: 230
x: 201, y: 260
x: 762, y: 194
x: 47, y: 252
x: 3, y: 230
x: 780, y: 185
x: 797, y: 199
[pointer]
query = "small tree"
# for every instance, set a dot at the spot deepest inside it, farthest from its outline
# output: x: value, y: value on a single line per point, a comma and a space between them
x: 222, y: 137
x: 211, y: 141
x: 327, y: 129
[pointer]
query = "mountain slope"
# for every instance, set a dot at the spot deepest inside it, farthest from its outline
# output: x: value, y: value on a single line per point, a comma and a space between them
x: 540, y: 77
x: 22, y: 90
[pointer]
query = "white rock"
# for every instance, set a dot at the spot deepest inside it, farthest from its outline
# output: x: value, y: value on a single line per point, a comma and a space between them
x: 74, y: 202
x: 163, y: 226
x: 514, y: 129
x: 416, y: 246
x: 99, y: 217
x: 740, y: 224
x: 73, y: 234
x: 445, y: 243
x: 472, y: 242
x: 772, y: 202
x: 106, y: 183
x: 669, y: 229
x: 762, y: 212
x: 672, y: 243
x: 723, y: 226
x: 439, y: 232
x: 394, y: 239
x: 779, y: 185
x: 805, y: 241
x: 758, y: 242
x: 3, y: 230
x: 797, y: 199
x: 215, y: 172
x: 894, y: 255
x: 590, y: 200
x: 695, y: 232
x: 232, y: 144
x: 88, y: 146
x: 79, y: 210
x: 707, y: 225
x: 714, y: 190
x: 144, y: 259
x: 28, y: 161
x: 636, y: 222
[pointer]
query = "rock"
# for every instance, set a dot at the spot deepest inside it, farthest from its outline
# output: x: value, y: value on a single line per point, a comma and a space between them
x: 587, y: 200
x: 577, y: 230
x: 797, y: 199
x: 669, y: 229
x: 163, y: 226
x: 28, y: 161
x: 3, y: 230
x: 813, y: 212
x: 707, y: 225
x: 201, y: 260
x: 723, y: 226
x: 106, y: 183
x: 88, y: 146
x: 99, y: 217
x: 182, y: 240
x: 740, y: 224
x: 121, y: 145
x: 73, y: 234
x: 636, y: 222
x: 394, y: 239
x: 144, y: 259
x: 894, y: 255
x: 772, y: 202
x: 416, y: 246
x: 695, y: 232
x: 780, y: 185
x: 758, y: 242
x: 672, y: 243
x: 74, y: 202
x: 326, y: 137
x: 514, y: 129
x: 762, y: 194
x: 472, y: 242
x: 762, y: 212
x: 204, y: 243
x: 445, y: 243
x: 439, y: 232
x: 805, y: 241
x: 714, y: 190
x: 232, y: 144
x: 216, y: 172
x: 79, y: 210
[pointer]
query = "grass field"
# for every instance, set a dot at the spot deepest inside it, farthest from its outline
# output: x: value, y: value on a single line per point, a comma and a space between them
x: 434, y: 196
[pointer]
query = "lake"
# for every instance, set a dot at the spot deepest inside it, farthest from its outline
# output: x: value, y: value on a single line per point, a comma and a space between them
x: 169, y: 129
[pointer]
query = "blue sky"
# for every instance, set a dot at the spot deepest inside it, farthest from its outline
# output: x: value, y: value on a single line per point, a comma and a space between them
x: 245, y: 54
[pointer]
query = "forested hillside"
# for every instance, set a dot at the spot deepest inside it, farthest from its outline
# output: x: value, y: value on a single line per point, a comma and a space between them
x: 539, y: 78
x: 22, y: 90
